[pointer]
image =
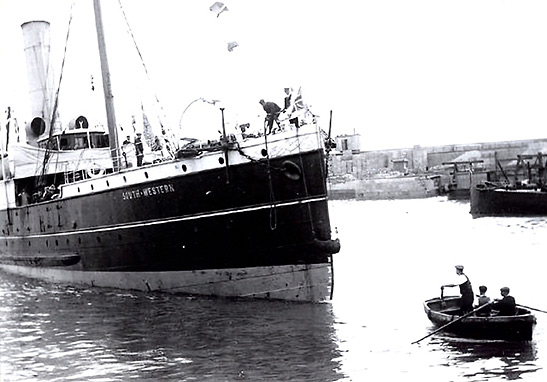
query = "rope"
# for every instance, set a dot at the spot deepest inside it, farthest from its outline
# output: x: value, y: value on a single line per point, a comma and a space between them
x: 259, y: 162
x: 310, y: 217
x: 328, y: 158
x: 273, y: 211
x: 328, y: 149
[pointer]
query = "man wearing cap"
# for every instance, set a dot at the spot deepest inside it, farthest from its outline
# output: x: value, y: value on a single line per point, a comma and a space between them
x: 466, y: 301
x: 507, y: 305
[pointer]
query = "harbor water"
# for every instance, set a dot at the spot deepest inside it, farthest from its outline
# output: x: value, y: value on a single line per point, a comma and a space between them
x: 395, y: 254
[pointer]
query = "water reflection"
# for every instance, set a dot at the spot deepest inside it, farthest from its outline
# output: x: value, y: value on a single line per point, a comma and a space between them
x: 488, y: 359
x: 64, y: 333
x: 395, y: 254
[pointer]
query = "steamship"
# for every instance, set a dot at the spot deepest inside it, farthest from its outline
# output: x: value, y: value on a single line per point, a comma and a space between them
x: 242, y: 216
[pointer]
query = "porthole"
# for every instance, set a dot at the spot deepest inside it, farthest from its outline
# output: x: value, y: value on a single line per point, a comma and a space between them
x: 264, y: 152
x: 184, y: 168
x: 146, y: 174
x: 221, y: 160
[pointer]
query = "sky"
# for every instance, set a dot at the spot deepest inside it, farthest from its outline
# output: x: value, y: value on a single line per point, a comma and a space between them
x: 399, y: 73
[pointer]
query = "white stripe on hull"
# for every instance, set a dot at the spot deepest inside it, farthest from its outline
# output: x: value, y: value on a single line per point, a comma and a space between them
x: 121, y: 226
x: 286, y: 282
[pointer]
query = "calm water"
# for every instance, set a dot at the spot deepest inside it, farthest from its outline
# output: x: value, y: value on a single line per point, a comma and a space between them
x: 395, y: 254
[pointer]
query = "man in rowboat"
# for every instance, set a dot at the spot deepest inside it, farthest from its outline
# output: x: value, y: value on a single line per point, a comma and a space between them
x: 462, y: 281
x: 507, y: 305
x: 483, y: 299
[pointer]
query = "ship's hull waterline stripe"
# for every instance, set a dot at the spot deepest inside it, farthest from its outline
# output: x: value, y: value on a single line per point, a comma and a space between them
x: 310, y: 283
x: 165, y: 221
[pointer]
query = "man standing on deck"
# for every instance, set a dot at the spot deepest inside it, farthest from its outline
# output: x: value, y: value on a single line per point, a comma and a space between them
x: 139, y: 150
x: 288, y: 100
x: 272, y: 112
x: 462, y: 281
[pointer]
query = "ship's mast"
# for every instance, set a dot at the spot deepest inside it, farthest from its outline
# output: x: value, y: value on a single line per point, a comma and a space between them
x: 107, y: 87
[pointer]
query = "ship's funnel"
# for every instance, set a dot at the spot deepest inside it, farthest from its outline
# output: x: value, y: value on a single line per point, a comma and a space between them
x: 37, y: 49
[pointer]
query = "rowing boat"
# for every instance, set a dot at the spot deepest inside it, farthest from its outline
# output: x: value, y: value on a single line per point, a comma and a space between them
x: 509, y: 328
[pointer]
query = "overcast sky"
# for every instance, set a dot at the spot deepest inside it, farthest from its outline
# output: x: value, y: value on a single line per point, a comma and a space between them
x: 399, y: 72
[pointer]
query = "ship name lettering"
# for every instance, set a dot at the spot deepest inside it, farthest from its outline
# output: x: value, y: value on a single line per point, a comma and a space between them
x: 148, y: 191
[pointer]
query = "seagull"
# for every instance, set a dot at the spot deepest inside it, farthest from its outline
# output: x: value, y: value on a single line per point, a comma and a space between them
x: 218, y: 8
x: 232, y: 45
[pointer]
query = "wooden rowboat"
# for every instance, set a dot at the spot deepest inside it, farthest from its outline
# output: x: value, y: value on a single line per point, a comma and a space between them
x: 509, y: 328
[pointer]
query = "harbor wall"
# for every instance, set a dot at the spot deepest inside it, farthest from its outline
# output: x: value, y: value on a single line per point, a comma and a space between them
x: 401, y: 187
x: 414, y: 172
x: 423, y: 159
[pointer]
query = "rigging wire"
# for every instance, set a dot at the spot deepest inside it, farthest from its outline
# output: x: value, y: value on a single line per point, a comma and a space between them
x: 171, y: 146
x: 130, y: 31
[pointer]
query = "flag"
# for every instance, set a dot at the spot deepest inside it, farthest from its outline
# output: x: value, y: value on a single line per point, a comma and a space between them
x: 298, y: 102
x: 232, y: 45
x: 218, y: 8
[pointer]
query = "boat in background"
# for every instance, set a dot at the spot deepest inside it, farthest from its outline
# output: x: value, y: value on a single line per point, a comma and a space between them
x: 464, y: 176
x: 522, y: 192
x: 243, y: 216
x: 507, y: 328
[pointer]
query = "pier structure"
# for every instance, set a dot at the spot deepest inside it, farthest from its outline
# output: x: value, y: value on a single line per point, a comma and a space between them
x: 419, y: 171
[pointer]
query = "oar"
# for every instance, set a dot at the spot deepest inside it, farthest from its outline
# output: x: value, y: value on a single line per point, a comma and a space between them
x: 527, y: 307
x: 453, y: 322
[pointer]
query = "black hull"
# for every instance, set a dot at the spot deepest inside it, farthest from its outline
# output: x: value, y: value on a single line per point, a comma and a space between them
x: 490, y: 201
x: 250, y: 217
x: 505, y: 328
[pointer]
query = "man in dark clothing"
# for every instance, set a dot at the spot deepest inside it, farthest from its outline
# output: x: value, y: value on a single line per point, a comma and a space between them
x: 507, y: 305
x: 467, y: 298
x: 288, y: 97
x: 272, y: 112
x: 139, y: 150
